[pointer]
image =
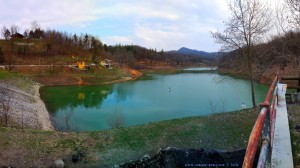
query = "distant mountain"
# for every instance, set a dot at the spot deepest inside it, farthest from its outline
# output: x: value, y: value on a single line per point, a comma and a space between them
x: 188, y: 51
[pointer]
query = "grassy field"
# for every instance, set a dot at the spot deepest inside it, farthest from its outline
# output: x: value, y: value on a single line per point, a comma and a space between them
x: 294, y: 119
x: 36, y: 148
x: 226, y: 131
x: 18, y: 80
x: 60, y: 75
x: 5, y: 74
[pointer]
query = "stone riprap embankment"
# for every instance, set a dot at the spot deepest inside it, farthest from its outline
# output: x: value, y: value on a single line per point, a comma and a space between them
x: 26, y: 109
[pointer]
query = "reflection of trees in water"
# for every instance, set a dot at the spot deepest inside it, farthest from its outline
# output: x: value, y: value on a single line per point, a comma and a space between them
x: 63, y: 123
x: 122, y: 91
x: 68, y: 117
x: 62, y: 97
x: 93, y: 97
x: 116, y: 120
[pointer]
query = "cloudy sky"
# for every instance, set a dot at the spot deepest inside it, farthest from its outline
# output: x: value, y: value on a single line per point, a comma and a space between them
x: 160, y: 24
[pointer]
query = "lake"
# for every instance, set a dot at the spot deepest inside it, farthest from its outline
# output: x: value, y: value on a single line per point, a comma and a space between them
x: 154, y: 97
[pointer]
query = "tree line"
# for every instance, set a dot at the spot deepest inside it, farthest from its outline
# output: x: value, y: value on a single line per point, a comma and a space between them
x: 90, y: 48
x: 246, y: 31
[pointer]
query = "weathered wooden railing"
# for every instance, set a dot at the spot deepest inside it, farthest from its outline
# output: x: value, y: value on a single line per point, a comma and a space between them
x: 291, y: 79
x: 262, y: 132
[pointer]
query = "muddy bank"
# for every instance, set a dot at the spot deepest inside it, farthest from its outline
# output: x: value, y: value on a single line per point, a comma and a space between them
x: 265, y: 76
x: 88, y: 78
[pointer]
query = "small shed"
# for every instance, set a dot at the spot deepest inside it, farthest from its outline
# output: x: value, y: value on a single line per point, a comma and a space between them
x: 17, y: 36
x: 106, y: 63
x: 80, y: 65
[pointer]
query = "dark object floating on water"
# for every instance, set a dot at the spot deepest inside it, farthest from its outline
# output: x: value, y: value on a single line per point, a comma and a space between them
x: 172, y: 157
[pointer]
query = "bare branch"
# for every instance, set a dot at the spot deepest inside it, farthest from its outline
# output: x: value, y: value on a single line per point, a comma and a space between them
x: 6, y: 104
x: 250, y: 21
x: 117, y: 120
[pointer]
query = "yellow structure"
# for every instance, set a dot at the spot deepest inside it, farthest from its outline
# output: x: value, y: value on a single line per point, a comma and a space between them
x: 80, y: 65
x: 81, y: 96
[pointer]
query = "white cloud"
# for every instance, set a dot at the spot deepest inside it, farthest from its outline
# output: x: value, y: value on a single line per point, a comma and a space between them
x: 168, y: 24
x: 47, y: 13
x: 118, y: 40
x: 159, y: 36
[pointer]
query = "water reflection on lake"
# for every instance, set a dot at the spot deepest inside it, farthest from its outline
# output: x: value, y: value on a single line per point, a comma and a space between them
x: 153, y: 98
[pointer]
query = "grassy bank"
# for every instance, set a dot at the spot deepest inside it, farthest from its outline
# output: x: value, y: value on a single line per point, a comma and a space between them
x: 294, y: 120
x: 17, y: 80
x: 69, y: 76
x: 227, y: 131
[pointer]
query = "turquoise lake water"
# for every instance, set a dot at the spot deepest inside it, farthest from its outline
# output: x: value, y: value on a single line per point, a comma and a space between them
x: 155, y: 97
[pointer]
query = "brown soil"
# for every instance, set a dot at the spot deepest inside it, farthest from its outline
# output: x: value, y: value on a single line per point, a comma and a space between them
x: 70, y: 77
x: 268, y: 75
x: 57, y: 80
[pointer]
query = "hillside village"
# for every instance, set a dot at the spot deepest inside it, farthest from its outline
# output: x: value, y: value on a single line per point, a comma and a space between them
x: 38, y: 52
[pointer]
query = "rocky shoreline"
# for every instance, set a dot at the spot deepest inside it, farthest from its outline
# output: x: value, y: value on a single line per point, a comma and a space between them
x: 27, y: 109
x: 42, y: 112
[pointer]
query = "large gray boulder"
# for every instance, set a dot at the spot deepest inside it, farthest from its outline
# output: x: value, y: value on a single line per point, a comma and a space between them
x: 59, y: 164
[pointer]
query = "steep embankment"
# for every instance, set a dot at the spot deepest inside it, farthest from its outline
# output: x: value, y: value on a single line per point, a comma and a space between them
x: 265, y: 78
x: 281, y: 52
x: 20, y: 96
x: 267, y: 75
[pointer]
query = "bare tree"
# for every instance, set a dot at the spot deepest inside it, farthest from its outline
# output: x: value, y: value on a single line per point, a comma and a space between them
x: 14, y: 29
x: 5, y: 32
x: 117, y: 120
x: 293, y: 13
x: 288, y: 21
x: 35, y: 25
x: 249, y: 22
x: 6, y: 104
x: 67, y: 119
x: 213, y: 106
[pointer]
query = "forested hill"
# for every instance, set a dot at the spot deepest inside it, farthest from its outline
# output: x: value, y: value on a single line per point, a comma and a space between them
x: 24, y: 48
x: 137, y: 56
x: 185, y: 50
x: 281, y: 52
x: 207, y: 56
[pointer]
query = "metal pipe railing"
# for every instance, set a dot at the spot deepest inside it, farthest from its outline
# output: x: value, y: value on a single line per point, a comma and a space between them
x: 254, y: 139
x: 270, y: 91
x: 261, y: 127
x: 273, y: 116
x: 263, y: 154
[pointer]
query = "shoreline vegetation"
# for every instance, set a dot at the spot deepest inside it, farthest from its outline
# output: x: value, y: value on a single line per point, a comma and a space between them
x: 30, y: 110
x: 42, y: 147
